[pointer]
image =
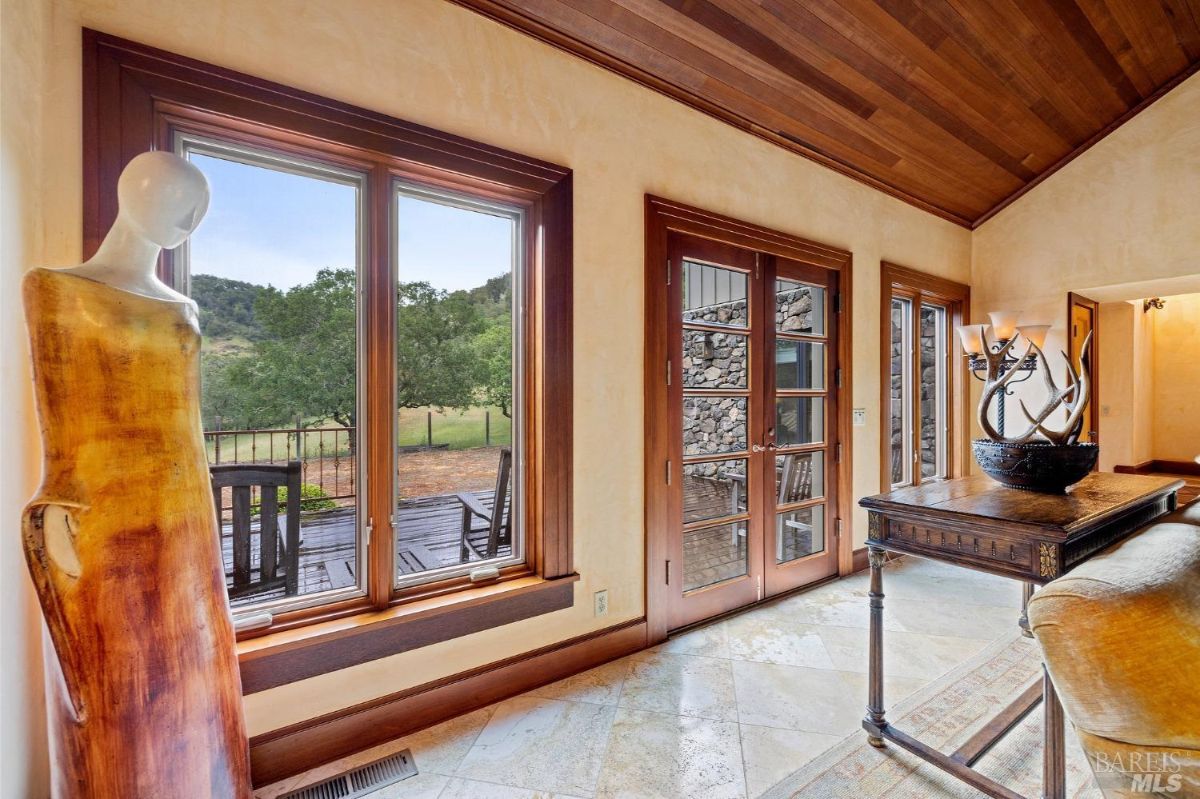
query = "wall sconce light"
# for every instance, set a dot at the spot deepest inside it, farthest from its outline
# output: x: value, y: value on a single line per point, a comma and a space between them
x: 1154, y: 302
x: 985, y: 357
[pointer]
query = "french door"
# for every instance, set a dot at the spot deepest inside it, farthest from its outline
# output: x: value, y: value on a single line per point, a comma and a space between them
x: 752, y: 390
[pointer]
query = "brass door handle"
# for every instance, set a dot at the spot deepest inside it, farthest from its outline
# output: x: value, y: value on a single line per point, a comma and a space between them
x: 757, y: 448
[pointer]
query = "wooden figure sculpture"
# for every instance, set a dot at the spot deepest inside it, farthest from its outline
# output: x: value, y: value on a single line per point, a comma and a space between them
x: 145, y: 697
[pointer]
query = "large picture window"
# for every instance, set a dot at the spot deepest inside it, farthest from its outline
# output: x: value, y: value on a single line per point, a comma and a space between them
x: 386, y: 353
x: 924, y: 397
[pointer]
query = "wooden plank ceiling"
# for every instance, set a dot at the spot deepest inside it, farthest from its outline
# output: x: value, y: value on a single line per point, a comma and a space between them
x: 957, y: 106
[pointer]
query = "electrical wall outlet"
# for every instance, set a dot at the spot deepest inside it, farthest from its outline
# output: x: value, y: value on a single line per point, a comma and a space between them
x: 860, y: 417
x: 600, y: 601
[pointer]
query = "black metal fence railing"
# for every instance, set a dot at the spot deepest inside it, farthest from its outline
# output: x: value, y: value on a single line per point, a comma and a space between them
x: 327, y: 454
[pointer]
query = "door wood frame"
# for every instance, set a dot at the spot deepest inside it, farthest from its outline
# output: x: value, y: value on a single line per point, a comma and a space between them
x: 664, y: 217
x: 1079, y: 301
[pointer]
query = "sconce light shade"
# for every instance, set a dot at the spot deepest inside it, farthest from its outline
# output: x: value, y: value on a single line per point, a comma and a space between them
x: 1004, y: 324
x: 972, y: 338
x: 1035, y: 334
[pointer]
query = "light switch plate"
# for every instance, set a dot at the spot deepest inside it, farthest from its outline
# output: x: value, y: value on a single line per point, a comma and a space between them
x: 860, y: 417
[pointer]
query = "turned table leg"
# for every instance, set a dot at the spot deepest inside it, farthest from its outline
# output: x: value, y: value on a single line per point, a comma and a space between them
x: 1054, y: 757
x: 875, y: 720
x: 1023, y: 622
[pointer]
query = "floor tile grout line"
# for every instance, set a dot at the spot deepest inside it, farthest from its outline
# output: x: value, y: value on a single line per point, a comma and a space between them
x: 475, y: 738
x: 737, y: 708
x: 457, y: 775
x: 607, y: 744
x: 451, y: 778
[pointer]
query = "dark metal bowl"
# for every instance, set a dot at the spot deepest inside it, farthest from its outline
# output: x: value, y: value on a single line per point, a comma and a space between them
x: 1036, y: 466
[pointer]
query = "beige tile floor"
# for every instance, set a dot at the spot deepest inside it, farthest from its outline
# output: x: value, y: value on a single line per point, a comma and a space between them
x: 722, y: 712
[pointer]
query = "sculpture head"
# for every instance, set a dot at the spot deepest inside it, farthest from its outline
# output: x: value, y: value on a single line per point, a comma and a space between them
x: 162, y: 197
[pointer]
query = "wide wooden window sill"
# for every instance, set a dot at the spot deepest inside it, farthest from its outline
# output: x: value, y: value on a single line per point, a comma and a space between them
x: 285, y: 657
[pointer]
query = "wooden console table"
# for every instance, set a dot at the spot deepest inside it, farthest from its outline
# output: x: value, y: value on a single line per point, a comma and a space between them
x: 976, y: 523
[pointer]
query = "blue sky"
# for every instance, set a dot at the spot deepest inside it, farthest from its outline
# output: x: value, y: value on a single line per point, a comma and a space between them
x: 275, y: 228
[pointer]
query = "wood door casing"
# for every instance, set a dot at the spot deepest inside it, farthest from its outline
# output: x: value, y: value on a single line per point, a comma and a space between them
x: 662, y: 218
x: 1083, y: 317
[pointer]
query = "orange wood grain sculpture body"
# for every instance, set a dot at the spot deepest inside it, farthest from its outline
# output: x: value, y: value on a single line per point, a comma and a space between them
x: 144, y: 697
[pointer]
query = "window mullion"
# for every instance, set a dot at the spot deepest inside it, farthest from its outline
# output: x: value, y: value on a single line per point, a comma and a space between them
x: 379, y: 364
x: 915, y: 386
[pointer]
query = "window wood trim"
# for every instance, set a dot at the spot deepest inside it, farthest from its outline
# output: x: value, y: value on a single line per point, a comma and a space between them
x: 135, y: 97
x: 901, y: 281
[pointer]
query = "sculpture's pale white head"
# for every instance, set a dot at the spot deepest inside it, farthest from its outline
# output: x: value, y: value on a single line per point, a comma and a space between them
x: 162, y: 197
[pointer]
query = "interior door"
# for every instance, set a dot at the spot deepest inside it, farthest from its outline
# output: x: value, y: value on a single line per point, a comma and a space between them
x: 799, y: 493
x: 1084, y: 318
x: 752, y: 398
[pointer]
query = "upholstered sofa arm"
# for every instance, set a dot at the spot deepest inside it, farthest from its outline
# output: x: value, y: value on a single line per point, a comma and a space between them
x: 1121, y: 639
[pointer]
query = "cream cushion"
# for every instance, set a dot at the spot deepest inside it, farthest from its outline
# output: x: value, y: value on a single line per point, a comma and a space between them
x: 1121, y: 639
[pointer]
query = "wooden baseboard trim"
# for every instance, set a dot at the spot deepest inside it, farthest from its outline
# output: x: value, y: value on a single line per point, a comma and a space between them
x: 1189, y: 468
x: 291, y: 750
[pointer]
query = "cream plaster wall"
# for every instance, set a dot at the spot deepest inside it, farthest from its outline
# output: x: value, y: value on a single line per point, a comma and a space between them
x: 1176, y: 378
x: 1126, y: 381
x: 1126, y: 210
x: 24, y: 36
x: 437, y: 64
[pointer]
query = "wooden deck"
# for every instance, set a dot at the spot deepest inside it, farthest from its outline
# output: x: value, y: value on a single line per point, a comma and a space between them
x: 428, y: 532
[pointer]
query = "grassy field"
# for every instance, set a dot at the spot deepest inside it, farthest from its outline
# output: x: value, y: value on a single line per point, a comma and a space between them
x: 458, y: 429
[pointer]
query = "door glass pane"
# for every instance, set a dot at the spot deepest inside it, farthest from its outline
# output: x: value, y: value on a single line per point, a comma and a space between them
x: 714, y: 360
x: 713, y: 554
x: 712, y: 490
x: 799, y: 420
x: 799, y: 308
x: 458, y: 448
x: 274, y: 271
x: 900, y: 410
x: 799, y: 364
x: 933, y: 391
x: 799, y: 533
x: 799, y: 476
x: 713, y: 295
x: 712, y: 425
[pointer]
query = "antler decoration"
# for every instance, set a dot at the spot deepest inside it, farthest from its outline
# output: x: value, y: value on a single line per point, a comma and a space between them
x: 1074, y: 397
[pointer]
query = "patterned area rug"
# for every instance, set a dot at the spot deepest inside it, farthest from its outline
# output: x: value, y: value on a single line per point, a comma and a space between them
x: 944, y: 715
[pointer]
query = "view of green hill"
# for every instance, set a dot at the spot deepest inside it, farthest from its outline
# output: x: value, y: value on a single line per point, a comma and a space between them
x: 227, y: 308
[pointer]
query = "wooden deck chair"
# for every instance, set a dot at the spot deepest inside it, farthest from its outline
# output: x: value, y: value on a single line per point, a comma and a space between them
x: 496, y: 523
x: 279, y: 556
x: 795, y: 485
x: 795, y: 478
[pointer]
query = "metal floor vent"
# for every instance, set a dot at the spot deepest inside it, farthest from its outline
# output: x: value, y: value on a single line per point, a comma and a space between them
x: 362, y: 780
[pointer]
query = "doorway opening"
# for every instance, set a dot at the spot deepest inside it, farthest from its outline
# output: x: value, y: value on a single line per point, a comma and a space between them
x: 1147, y: 376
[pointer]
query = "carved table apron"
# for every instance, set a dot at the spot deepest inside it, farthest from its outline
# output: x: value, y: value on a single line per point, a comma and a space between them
x: 976, y: 523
